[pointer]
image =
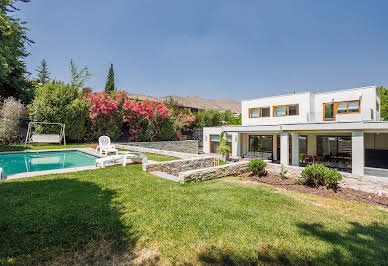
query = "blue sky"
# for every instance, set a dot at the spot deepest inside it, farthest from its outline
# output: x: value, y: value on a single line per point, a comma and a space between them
x: 214, y: 49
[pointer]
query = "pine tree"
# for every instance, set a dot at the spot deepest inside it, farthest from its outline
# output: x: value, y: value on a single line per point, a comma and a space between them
x: 43, y: 74
x: 110, y: 83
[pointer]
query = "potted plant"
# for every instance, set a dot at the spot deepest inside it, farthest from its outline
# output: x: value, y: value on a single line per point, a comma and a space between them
x: 223, y: 148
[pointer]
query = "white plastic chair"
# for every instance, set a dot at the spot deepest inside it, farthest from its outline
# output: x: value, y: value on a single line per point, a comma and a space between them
x: 104, y: 145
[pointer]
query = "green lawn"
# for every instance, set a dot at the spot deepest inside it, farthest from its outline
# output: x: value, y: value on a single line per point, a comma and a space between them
x: 119, y: 215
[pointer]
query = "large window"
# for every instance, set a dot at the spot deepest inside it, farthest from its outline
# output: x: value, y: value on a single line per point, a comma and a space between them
x: 215, y: 142
x: 348, y: 107
x: 264, y: 143
x: 334, y: 146
x: 331, y: 109
x: 259, y: 112
x: 285, y: 110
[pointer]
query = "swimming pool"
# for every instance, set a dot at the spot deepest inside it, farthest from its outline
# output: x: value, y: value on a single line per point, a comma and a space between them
x: 14, y: 163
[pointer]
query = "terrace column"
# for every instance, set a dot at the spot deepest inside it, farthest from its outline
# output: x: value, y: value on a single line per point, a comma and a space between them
x: 295, y: 149
x: 284, y: 148
x: 238, y: 144
x: 358, y: 157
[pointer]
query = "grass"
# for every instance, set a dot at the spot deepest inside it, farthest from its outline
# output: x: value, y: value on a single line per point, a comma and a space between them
x: 120, y: 215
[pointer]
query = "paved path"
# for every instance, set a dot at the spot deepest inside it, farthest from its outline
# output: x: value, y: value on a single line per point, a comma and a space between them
x: 181, y: 155
x: 372, y: 184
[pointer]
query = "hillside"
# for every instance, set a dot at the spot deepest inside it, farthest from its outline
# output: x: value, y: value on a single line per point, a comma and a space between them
x: 199, y: 102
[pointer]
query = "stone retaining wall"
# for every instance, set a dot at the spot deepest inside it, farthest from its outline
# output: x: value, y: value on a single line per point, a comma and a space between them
x: 292, y: 171
x: 177, y: 166
x: 199, y: 175
x: 187, y: 146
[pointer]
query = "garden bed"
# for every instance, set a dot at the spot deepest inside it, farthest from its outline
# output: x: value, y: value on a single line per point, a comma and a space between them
x: 340, y: 193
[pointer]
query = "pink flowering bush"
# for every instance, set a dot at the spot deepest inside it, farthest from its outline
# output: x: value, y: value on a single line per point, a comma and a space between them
x: 138, y: 120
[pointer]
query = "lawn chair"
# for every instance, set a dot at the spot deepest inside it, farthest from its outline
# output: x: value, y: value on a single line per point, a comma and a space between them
x: 104, y: 145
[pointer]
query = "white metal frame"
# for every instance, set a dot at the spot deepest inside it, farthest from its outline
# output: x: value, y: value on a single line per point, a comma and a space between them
x: 29, y: 131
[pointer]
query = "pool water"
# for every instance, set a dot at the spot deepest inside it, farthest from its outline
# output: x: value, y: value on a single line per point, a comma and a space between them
x: 40, y: 161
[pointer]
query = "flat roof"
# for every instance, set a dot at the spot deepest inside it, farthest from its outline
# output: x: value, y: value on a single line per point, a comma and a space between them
x: 367, y: 126
x: 307, y: 92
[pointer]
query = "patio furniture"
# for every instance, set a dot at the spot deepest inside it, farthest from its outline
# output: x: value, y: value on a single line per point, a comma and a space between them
x: 258, y: 155
x: 45, y: 138
x: 121, y: 156
x: 104, y: 145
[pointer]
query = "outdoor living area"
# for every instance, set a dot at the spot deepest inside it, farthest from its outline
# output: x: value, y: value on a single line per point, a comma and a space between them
x: 357, y: 148
x: 333, y: 151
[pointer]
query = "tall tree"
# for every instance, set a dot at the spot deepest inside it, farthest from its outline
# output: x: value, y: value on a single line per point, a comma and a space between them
x: 384, y: 102
x: 43, y: 74
x: 13, y: 41
x: 110, y: 82
x: 79, y: 77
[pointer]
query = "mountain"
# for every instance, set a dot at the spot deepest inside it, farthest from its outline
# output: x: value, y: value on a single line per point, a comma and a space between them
x: 198, y: 102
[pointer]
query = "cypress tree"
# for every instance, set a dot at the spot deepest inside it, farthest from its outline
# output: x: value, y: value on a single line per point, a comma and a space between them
x: 43, y: 74
x: 110, y: 83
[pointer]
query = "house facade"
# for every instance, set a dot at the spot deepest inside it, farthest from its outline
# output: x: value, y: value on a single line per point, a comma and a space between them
x: 341, y: 129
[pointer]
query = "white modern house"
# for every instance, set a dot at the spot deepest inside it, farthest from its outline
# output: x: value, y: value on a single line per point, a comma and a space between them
x: 341, y: 129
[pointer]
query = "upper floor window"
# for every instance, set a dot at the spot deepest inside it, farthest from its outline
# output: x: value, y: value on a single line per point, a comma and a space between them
x: 331, y: 109
x: 348, y: 107
x: 253, y: 112
x: 259, y: 112
x: 377, y: 106
x: 285, y: 110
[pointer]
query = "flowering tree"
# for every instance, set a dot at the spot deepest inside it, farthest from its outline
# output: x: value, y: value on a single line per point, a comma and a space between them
x: 142, y: 120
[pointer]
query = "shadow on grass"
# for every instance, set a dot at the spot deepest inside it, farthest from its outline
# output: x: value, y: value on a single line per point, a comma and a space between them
x: 360, y: 245
x: 61, y: 221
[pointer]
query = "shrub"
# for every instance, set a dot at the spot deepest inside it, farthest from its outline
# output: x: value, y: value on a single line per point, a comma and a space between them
x: 257, y: 166
x: 320, y: 175
x: 57, y: 102
x: 144, y: 120
x: 9, y: 123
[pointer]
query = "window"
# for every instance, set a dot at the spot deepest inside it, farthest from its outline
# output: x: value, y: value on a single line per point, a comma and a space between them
x: 253, y: 112
x: 354, y: 107
x: 265, y: 112
x: 293, y: 109
x: 377, y: 106
x: 259, y: 112
x: 330, y: 110
x: 264, y: 144
x: 342, y: 108
x: 279, y: 111
x: 285, y: 110
x: 348, y: 107
x: 334, y: 146
x: 215, y: 142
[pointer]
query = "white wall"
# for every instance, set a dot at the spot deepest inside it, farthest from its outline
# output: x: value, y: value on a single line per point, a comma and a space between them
x: 303, y: 99
x: 207, y: 131
x: 311, y: 106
